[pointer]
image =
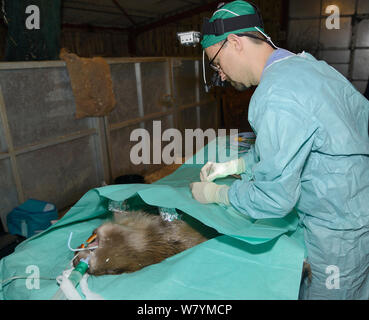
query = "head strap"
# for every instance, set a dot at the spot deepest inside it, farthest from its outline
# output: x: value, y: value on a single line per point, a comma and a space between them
x: 221, y: 26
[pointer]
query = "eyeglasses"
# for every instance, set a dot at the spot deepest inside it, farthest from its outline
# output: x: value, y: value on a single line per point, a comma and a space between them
x: 216, y: 67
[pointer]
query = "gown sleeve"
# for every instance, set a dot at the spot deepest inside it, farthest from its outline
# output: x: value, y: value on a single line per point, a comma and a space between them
x: 284, y: 140
x: 250, y: 159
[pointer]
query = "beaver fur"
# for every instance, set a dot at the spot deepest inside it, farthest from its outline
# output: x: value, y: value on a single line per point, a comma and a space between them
x: 135, y: 240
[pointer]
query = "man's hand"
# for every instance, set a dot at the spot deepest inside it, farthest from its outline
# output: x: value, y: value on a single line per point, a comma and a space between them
x: 209, y: 192
x: 211, y: 170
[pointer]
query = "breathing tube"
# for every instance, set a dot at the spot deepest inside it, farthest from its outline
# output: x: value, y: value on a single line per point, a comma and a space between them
x: 71, y: 278
x: 69, y: 283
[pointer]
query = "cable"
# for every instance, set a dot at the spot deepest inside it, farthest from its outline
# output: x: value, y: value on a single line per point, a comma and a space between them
x: 203, y: 66
x: 7, y: 281
x: 268, y: 38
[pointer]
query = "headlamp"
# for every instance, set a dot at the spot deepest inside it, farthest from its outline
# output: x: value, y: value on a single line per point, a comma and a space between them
x: 190, y: 38
x: 219, y: 27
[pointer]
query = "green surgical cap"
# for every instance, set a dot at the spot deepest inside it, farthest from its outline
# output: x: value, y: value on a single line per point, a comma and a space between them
x: 239, y: 7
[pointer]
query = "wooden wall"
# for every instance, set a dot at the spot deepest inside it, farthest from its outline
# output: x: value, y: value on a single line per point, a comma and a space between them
x: 90, y: 43
x: 162, y: 41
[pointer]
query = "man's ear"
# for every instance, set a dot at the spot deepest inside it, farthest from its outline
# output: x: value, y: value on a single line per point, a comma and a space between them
x: 235, y: 41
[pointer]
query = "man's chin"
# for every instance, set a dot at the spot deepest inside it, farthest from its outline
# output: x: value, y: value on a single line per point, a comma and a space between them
x: 238, y: 86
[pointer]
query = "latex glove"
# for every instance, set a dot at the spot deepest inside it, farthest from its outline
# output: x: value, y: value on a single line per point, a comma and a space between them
x: 209, y: 192
x: 212, y: 170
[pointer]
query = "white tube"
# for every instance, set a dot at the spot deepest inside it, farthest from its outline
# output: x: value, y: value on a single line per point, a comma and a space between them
x: 81, y: 249
x: 203, y: 65
x: 268, y: 38
x: 227, y: 11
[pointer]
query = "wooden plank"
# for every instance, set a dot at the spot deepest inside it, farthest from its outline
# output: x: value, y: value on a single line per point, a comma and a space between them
x: 59, y: 63
x: 195, y: 104
x: 4, y: 155
x: 31, y: 64
x: 9, y: 141
x: 206, y: 7
x: 103, y: 160
x: 54, y: 141
x: 134, y: 121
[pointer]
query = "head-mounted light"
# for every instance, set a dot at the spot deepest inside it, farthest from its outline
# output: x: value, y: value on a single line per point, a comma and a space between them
x: 219, y: 27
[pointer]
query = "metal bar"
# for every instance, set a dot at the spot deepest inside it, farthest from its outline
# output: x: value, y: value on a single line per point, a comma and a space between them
x: 130, y: 60
x: 31, y: 65
x: 4, y: 155
x: 59, y: 63
x: 9, y: 141
x: 169, y: 89
x: 194, y: 104
x: 177, y: 116
x: 108, y: 146
x: 139, y: 89
x: 127, y: 123
x: 187, y: 58
x: 104, y: 152
x: 124, y: 12
x: 101, y: 152
x: 55, y: 141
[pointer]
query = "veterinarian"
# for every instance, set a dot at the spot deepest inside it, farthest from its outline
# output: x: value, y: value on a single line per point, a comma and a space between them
x: 311, y: 152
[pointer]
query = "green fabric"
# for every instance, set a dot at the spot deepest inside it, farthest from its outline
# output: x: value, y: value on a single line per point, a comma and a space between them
x: 312, y: 154
x: 239, y: 7
x: 249, y: 259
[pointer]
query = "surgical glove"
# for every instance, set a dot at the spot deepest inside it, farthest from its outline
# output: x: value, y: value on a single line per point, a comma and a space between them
x: 211, y: 170
x: 209, y: 192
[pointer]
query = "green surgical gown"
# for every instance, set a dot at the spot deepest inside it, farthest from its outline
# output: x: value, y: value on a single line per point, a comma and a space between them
x: 312, y: 154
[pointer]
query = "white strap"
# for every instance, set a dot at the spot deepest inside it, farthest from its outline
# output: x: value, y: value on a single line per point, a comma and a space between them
x: 67, y: 286
x: 86, y: 291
